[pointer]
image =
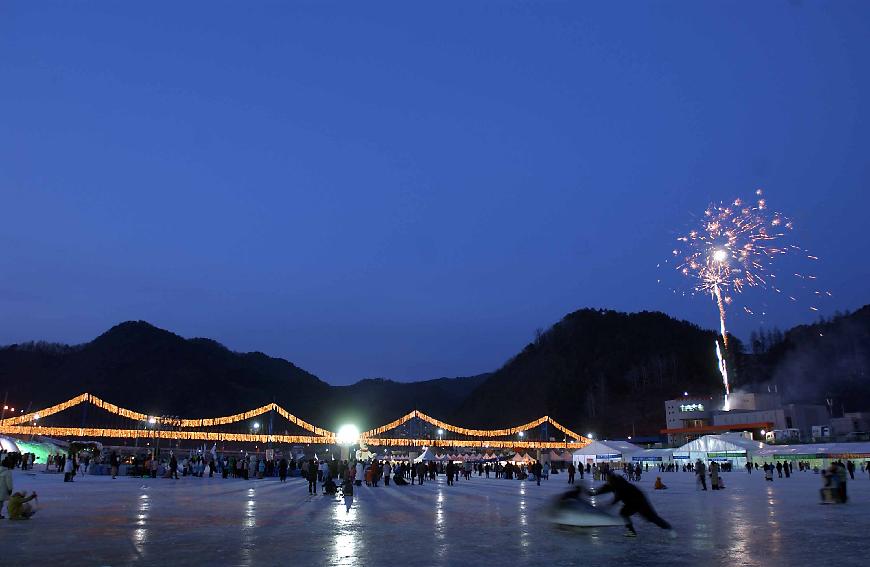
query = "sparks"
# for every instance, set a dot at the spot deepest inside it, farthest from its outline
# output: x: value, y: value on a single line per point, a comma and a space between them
x: 731, y: 250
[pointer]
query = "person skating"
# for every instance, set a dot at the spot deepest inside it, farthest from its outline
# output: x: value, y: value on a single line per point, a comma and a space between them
x: 571, y: 471
x: 633, y: 502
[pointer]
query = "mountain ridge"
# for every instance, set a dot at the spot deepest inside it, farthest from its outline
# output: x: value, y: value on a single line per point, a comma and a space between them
x: 594, y: 370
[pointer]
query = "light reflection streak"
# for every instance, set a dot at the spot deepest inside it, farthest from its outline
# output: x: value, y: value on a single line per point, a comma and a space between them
x: 524, y: 520
x: 345, y: 545
x: 248, y: 525
x: 140, y: 534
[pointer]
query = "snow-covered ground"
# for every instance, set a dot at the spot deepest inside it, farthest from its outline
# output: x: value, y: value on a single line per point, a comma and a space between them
x: 193, y: 521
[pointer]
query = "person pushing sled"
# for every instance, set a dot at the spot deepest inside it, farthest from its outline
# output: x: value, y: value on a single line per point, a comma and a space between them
x: 573, y: 509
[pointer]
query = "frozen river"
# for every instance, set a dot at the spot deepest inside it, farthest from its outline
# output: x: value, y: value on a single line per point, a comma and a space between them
x: 192, y: 521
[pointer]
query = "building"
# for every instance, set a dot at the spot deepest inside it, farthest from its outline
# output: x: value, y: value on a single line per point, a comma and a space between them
x: 788, y: 419
x: 689, y: 418
x: 689, y: 412
x: 854, y: 425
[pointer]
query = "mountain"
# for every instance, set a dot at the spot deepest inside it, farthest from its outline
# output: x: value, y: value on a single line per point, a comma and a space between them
x: 599, y: 371
x: 595, y: 370
x: 142, y: 367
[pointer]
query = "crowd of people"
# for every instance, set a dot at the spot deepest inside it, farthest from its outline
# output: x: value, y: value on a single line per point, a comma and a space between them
x: 339, y: 477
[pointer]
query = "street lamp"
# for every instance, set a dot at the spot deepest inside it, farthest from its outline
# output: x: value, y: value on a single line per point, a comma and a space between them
x: 589, y: 435
x: 521, y: 434
x: 440, y: 434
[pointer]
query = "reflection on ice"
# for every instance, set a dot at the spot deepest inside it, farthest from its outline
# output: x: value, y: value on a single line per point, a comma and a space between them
x: 263, y: 522
x: 140, y: 534
x: 347, y: 547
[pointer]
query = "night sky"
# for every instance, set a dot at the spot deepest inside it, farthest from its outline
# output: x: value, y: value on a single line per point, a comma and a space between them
x: 408, y: 191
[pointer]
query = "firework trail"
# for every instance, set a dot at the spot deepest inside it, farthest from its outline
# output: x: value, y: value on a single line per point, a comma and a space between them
x: 732, y: 250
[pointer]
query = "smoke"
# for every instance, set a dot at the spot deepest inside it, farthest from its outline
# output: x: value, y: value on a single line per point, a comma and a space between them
x: 827, y: 361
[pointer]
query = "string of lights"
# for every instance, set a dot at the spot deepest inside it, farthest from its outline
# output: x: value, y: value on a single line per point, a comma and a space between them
x: 470, y: 432
x: 139, y: 416
x: 162, y: 434
x: 368, y: 436
x: 475, y: 443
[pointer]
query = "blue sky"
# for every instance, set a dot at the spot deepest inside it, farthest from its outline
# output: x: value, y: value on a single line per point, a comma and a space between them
x: 410, y: 191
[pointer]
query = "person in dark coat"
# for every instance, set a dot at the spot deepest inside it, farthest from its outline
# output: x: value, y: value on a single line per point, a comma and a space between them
x: 312, y: 477
x: 282, y: 470
x: 571, y: 471
x: 173, y: 467
x: 451, y: 470
x: 114, y: 463
x: 633, y: 502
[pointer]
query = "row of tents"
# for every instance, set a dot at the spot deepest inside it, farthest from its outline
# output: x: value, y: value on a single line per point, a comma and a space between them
x: 733, y: 448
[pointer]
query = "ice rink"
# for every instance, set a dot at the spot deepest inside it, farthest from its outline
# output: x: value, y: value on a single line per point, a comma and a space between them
x: 193, y: 521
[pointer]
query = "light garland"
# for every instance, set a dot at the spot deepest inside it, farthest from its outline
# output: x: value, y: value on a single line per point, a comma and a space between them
x: 471, y: 432
x: 162, y: 434
x: 366, y: 436
x: 472, y: 443
x: 138, y: 416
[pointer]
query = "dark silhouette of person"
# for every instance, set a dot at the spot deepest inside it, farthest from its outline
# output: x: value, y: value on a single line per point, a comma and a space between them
x: 633, y: 502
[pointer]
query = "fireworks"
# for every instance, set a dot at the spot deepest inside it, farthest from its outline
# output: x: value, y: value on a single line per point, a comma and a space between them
x: 732, y: 250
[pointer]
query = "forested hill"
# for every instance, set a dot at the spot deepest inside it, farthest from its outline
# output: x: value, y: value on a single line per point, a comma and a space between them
x: 595, y: 370
x: 600, y: 371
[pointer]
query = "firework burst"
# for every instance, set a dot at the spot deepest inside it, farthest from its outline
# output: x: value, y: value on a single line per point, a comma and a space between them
x: 733, y: 249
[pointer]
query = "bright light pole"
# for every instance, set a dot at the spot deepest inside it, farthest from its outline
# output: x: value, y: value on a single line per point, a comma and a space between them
x: 347, y: 436
x: 440, y: 434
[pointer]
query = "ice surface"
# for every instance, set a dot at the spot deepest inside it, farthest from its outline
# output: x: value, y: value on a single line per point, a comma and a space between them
x: 193, y: 521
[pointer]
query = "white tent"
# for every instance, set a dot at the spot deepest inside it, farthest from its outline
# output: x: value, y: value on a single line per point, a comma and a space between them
x: 654, y: 456
x: 735, y: 449
x: 605, y: 452
x: 517, y: 458
x: 825, y: 452
x: 427, y: 455
x: 8, y: 445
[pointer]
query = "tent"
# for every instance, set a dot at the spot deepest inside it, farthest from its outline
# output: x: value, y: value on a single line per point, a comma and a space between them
x: 517, y: 458
x: 605, y: 452
x: 654, y: 456
x: 817, y: 454
x: 557, y: 458
x: 734, y: 449
x: 8, y: 445
x: 427, y: 455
